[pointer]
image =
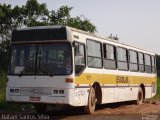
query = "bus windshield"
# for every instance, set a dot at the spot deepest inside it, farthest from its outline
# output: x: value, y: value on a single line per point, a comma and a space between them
x: 41, y: 59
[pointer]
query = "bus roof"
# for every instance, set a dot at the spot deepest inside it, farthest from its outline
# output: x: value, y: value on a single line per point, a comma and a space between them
x: 107, y: 39
x: 41, y: 27
x: 79, y: 31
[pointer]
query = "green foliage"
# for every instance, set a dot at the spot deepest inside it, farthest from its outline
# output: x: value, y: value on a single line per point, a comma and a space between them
x: 2, y: 98
x: 3, y: 77
x: 62, y: 16
x: 35, y: 14
x: 158, y: 87
x: 4, y: 53
x: 9, y: 20
x: 158, y: 64
x: 3, y: 104
x: 5, y: 20
x: 81, y: 23
x: 2, y: 89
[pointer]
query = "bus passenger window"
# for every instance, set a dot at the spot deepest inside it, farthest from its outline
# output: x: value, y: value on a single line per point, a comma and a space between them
x: 148, y: 67
x: 122, y: 58
x: 109, y: 56
x: 94, y: 54
x: 153, y: 65
x: 133, y: 60
x: 141, y: 62
x: 79, y: 57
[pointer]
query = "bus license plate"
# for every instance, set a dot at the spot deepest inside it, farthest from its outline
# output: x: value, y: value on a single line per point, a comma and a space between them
x: 34, y: 98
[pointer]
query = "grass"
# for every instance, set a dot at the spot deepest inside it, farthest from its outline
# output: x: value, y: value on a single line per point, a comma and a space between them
x: 157, y: 96
x: 2, y: 89
x: 158, y: 87
x: 3, y: 104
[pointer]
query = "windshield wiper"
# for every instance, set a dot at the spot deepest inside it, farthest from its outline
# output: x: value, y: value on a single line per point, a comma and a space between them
x: 51, y: 75
x: 21, y: 73
x: 48, y: 73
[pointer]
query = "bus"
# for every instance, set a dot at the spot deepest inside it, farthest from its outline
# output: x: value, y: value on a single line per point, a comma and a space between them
x: 61, y: 65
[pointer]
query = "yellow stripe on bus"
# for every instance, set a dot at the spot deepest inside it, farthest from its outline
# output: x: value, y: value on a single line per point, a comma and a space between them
x: 88, y: 78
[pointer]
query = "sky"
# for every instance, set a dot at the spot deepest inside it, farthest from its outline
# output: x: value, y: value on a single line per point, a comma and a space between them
x: 136, y: 22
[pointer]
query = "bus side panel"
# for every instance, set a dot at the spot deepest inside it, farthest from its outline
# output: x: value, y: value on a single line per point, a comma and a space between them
x: 127, y: 93
x: 80, y: 96
x: 148, y: 91
x: 109, y: 95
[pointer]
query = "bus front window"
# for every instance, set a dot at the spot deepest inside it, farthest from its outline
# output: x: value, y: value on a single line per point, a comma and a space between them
x: 41, y: 59
x: 22, y: 59
x: 53, y: 59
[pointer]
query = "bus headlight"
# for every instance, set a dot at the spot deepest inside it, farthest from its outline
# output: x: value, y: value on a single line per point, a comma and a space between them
x: 61, y: 91
x: 14, y: 91
x: 17, y: 91
x: 58, y: 91
x: 11, y: 91
x: 55, y: 91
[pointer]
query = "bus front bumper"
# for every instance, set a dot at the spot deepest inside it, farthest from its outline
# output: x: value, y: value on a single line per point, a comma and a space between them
x: 40, y: 95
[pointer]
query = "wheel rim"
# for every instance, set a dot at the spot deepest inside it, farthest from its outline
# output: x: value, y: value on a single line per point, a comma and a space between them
x: 140, y: 97
x: 93, y: 98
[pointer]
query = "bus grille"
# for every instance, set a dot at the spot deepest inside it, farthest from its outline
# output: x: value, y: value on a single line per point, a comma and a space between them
x: 35, y: 91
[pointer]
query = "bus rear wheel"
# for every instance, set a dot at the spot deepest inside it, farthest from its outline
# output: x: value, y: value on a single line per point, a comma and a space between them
x: 40, y: 108
x: 89, y: 109
x: 140, y: 97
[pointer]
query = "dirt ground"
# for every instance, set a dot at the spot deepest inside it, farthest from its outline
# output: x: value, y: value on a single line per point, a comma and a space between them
x: 130, y: 108
x: 149, y: 110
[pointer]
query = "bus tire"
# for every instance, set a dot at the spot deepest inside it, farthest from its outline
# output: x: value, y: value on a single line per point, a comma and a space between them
x: 40, y: 108
x: 140, y: 97
x: 89, y: 109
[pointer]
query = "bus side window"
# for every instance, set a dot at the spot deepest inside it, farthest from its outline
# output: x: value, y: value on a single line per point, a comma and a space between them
x: 94, y: 56
x: 79, y: 57
x: 148, y: 67
x: 153, y: 65
x: 133, y: 60
x: 122, y: 58
x: 109, y: 56
x: 141, y: 62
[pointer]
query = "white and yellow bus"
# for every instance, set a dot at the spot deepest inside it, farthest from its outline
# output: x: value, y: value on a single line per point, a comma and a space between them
x: 63, y: 65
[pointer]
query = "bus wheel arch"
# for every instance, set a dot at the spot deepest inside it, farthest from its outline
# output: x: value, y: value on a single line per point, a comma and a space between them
x: 98, y: 92
x: 143, y: 89
x: 91, y: 103
x: 140, y: 95
x: 94, y: 97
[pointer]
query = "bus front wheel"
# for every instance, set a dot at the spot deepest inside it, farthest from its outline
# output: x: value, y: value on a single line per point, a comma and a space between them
x: 140, y: 96
x: 91, y: 102
x: 40, y: 108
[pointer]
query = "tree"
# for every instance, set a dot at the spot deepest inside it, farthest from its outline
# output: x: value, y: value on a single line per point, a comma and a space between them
x: 4, y: 53
x: 9, y: 20
x: 5, y: 21
x: 34, y: 14
x: 62, y: 16
x: 158, y: 64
